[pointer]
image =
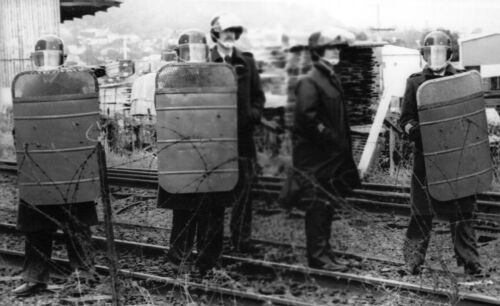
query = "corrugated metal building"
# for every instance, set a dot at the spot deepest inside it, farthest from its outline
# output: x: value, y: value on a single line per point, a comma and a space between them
x: 482, y: 53
x: 23, y: 21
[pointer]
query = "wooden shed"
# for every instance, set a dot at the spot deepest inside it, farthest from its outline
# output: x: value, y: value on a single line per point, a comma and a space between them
x: 23, y: 21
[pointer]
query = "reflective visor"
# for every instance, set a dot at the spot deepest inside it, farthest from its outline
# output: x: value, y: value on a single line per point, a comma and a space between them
x: 194, y: 53
x: 47, y: 58
x: 436, y: 56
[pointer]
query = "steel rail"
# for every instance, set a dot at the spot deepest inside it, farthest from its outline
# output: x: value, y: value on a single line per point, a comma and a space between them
x: 277, y: 244
x: 235, y: 297
x: 371, y: 196
x: 267, y: 183
x: 327, y: 279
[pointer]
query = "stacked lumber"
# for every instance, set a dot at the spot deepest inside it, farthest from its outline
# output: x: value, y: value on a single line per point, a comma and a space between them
x: 359, y: 73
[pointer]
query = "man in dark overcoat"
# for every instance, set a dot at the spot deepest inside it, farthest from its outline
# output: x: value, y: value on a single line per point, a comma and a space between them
x: 322, y: 154
x: 225, y: 30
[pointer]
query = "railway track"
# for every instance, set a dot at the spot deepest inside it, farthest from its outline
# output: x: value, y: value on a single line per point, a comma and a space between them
x: 311, y: 277
x: 162, y: 285
x: 371, y: 197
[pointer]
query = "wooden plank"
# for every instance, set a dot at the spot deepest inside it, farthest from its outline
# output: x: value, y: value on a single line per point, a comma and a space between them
x: 371, y: 143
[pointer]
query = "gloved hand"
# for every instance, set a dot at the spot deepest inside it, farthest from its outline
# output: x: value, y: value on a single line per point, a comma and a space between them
x: 255, y: 115
x: 413, y: 131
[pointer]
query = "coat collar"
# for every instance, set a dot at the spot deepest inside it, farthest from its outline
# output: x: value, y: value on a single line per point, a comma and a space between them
x: 322, y: 72
x: 449, y: 70
x: 236, y: 58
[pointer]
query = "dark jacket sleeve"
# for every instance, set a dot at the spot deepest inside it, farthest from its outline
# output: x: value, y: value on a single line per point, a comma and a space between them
x: 409, y: 111
x: 257, y: 98
x: 409, y: 107
x: 308, y: 114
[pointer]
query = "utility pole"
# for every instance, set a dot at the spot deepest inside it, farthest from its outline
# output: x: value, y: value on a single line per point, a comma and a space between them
x: 124, y: 48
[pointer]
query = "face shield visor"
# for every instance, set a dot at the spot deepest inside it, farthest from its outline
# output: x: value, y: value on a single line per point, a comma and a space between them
x: 47, y: 59
x: 193, y: 53
x: 436, y: 57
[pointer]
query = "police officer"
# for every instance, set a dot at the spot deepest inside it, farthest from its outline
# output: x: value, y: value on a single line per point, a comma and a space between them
x: 436, y: 52
x: 195, y: 215
x: 322, y: 154
x: 225, y: 30
x: 39, y: 222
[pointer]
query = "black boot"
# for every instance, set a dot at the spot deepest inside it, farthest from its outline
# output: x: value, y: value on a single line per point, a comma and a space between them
x: 416, y: 242
x: 318, y: 229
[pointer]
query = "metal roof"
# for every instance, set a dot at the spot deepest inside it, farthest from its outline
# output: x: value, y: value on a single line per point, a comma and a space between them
x: 71, y: 9
x: 476, y: 36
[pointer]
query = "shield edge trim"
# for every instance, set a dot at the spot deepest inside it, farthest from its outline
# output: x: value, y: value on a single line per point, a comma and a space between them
x: 96, y: 84
x: 471, y: 72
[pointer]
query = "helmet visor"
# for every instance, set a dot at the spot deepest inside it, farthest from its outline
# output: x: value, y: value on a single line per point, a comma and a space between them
x: 47, y: 58
x: 194, y: 53
x: 436, y: 56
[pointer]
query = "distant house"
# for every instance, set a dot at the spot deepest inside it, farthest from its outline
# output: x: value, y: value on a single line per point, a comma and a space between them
x: 142, y: 96
x: 482, y: 53
x: 398, y: 64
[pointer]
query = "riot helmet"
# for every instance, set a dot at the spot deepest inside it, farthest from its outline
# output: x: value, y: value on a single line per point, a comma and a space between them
x: 436, y: 50
x: 49, y: 53
x: 225, y: 29
x: 327, y: 43
x: 192, y: 46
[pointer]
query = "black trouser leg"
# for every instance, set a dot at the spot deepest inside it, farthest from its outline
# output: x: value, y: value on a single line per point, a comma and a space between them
x: 241, y: 213
x: 210, y: 235
x: 182, y: 236
x: 38, y: 250
x: 318, y: 222
x: 417, y: 240
x: 79, y: 246
x: 464, y: 240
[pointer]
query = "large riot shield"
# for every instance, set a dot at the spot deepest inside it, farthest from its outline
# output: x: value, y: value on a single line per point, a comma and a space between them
x: 196, y: 128
x: 54, y: 113
x: 454, y: 132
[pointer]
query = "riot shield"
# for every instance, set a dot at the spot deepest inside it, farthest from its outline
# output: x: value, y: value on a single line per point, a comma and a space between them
x: 196, y: 128
x: 54, y: 112
x: 454, y: 132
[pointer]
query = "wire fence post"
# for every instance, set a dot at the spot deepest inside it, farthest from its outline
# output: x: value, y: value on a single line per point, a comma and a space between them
x: 110, y: 238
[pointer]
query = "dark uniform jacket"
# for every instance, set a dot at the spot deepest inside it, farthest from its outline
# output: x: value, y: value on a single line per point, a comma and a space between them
x: 321, y: 136
x: 251, y: 97
x: 422, y: 202
x: 409, y: 111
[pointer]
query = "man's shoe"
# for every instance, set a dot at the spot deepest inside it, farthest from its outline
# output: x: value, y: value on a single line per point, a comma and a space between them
x: 29, y: 288
x: 476, y: 271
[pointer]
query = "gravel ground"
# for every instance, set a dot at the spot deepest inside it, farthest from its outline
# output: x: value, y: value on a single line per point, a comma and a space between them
x: 354, y: 232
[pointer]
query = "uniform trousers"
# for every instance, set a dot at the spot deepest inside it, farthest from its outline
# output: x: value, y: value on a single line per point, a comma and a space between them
x: 39, y: 223
x: 206, y: 223
x: 459, y: 213
x: 241, y: 212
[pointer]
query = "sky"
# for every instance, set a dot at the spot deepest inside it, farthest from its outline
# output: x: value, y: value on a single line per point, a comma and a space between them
x: 460, y: 15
